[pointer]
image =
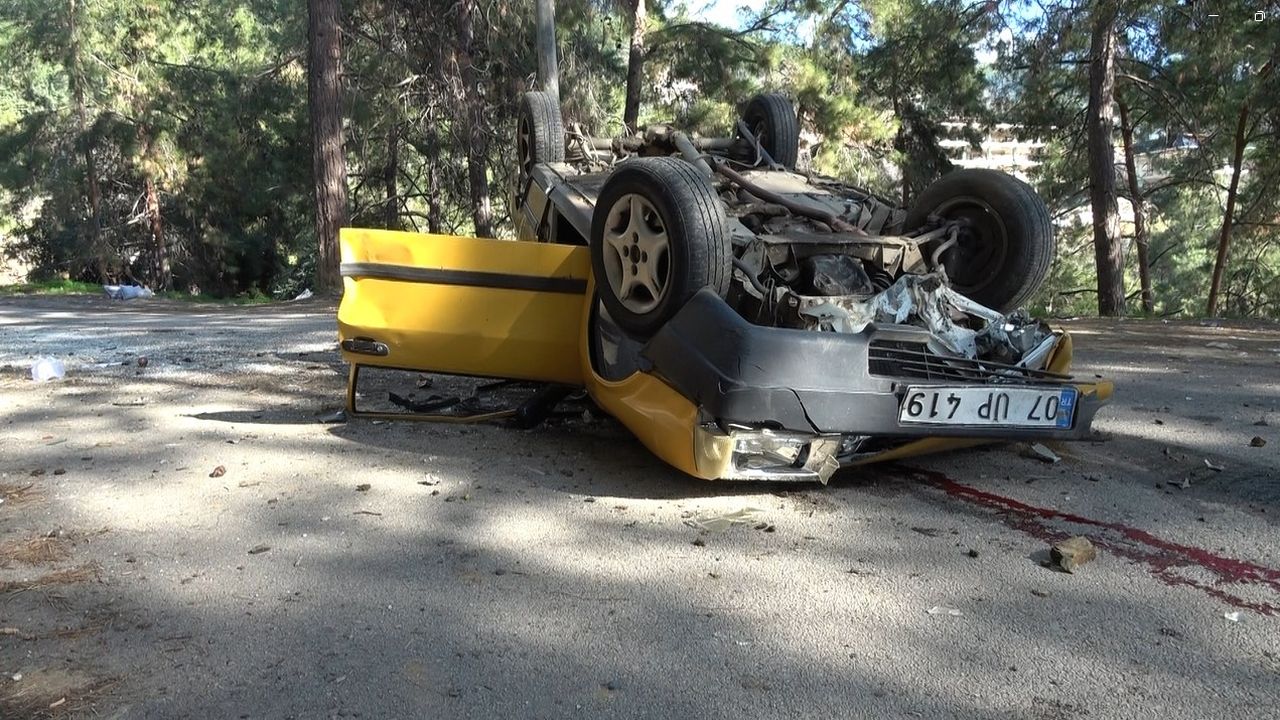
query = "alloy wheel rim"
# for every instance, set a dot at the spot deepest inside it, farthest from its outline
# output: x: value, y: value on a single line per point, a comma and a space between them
x: 636, y: 253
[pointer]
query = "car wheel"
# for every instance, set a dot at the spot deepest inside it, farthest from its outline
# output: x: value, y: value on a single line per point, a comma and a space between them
x: 772, y: 120
x: 1006, y: 241
x: 539, y: 131
x: 658, y: 236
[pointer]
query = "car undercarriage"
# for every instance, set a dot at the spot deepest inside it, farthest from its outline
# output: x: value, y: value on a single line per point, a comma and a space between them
x: 807, y: 251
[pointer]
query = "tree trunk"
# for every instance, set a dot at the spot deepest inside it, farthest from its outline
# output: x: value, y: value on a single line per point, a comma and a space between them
x: 635, y: 65
x: 435, y: 212
x: 1228, y: 217
x: 390, y: 178
x: 548, y: 62
x: 76, y: 71
x: 431, y: 152
x: 329, y: 166
x: 900, y: 144
x: 158, y: 274
x: 99, y: 249
x: 1139, y: 209
x: 1108, y: 251
x: 472, y: 99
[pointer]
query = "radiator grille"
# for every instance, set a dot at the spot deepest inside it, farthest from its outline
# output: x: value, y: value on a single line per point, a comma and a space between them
x: 892, y: 358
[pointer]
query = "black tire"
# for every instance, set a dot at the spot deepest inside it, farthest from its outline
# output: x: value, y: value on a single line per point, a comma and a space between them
x: 773, y: 120
x: 679, y: 203
x: 1006, y: 248
x: 539, y: 131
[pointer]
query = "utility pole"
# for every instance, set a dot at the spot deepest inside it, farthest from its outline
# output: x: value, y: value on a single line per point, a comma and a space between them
x: 548, y: 64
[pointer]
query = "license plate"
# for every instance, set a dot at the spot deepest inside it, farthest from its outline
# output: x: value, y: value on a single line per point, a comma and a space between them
x: 985, y: 406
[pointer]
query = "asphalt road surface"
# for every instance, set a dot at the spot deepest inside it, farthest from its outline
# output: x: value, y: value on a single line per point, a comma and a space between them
x: 184, y: 538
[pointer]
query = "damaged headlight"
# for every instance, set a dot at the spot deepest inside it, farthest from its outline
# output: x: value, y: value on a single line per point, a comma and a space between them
x: 761, y: 454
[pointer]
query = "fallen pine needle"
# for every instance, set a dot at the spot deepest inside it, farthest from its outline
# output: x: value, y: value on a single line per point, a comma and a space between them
x: 17, y: 494
x: 35, y: 551
x: 83, y: 573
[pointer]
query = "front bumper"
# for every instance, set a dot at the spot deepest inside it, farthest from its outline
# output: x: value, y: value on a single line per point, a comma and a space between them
x: 796, y: 384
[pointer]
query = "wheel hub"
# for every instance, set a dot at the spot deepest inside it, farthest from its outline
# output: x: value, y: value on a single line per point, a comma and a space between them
x: 524, y: 144
x: 975, y: 261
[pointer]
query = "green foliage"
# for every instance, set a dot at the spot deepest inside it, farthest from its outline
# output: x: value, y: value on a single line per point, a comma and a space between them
x: 207, y: 103
x: 50, y: 287
x: 1187, y: 77
x: 189, y: 96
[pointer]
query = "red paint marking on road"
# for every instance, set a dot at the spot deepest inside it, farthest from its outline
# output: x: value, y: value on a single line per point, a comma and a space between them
x: 1163, y: 557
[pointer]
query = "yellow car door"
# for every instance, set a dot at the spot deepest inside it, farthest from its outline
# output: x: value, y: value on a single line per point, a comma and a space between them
x: 461, y: 305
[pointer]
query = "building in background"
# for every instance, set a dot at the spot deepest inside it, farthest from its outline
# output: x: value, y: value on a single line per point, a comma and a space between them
x: 1000, y: 148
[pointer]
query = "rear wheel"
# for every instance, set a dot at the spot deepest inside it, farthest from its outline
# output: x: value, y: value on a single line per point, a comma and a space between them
x: 1006, y: 239
x: 658, y: 236
x: 772, y: 119
x: 539, y: 131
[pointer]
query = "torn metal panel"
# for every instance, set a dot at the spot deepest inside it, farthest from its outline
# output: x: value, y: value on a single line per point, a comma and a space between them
x: 959, y: 326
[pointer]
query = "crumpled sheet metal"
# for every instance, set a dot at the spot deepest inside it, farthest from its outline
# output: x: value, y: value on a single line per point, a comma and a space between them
x: 928, y: 301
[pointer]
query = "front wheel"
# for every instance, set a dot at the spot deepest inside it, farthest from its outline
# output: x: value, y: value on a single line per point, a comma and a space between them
x: 1005, y: 244
x: 658, y: 235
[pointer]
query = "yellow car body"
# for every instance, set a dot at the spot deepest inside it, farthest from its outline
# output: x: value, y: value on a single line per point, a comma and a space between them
x: 524, y: 311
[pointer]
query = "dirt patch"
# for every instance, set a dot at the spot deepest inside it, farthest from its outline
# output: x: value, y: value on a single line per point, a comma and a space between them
x: 11, y: 494
x: 34, y: 551
x: 51, y: 692
x: 239, y: 633
x: 70, y: 576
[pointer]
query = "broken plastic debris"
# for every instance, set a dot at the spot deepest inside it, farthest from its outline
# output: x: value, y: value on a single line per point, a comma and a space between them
x: 127, y: 292
x: 46, y: 368
x: 304, y: 295
x: 1040, y: 452
x: 1233, y: 616
x: 335, y: 417
x: 1213, y: 467
x: 713, y: 521
x: 1038, y: 357
x: 941, y: 610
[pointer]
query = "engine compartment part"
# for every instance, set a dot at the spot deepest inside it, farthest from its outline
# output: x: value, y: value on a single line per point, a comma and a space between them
x: 958, y: 326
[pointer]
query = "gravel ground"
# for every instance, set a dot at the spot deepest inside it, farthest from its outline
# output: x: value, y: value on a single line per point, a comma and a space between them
x: 185, y: 539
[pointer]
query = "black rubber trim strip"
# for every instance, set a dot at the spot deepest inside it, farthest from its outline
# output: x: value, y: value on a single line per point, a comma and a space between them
x: 470, y: 278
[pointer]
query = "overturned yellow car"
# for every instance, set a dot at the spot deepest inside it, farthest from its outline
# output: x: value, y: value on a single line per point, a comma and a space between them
x: 742, y: 320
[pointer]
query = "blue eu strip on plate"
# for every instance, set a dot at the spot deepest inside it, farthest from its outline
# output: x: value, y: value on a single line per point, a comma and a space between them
x: 1067, y: 407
